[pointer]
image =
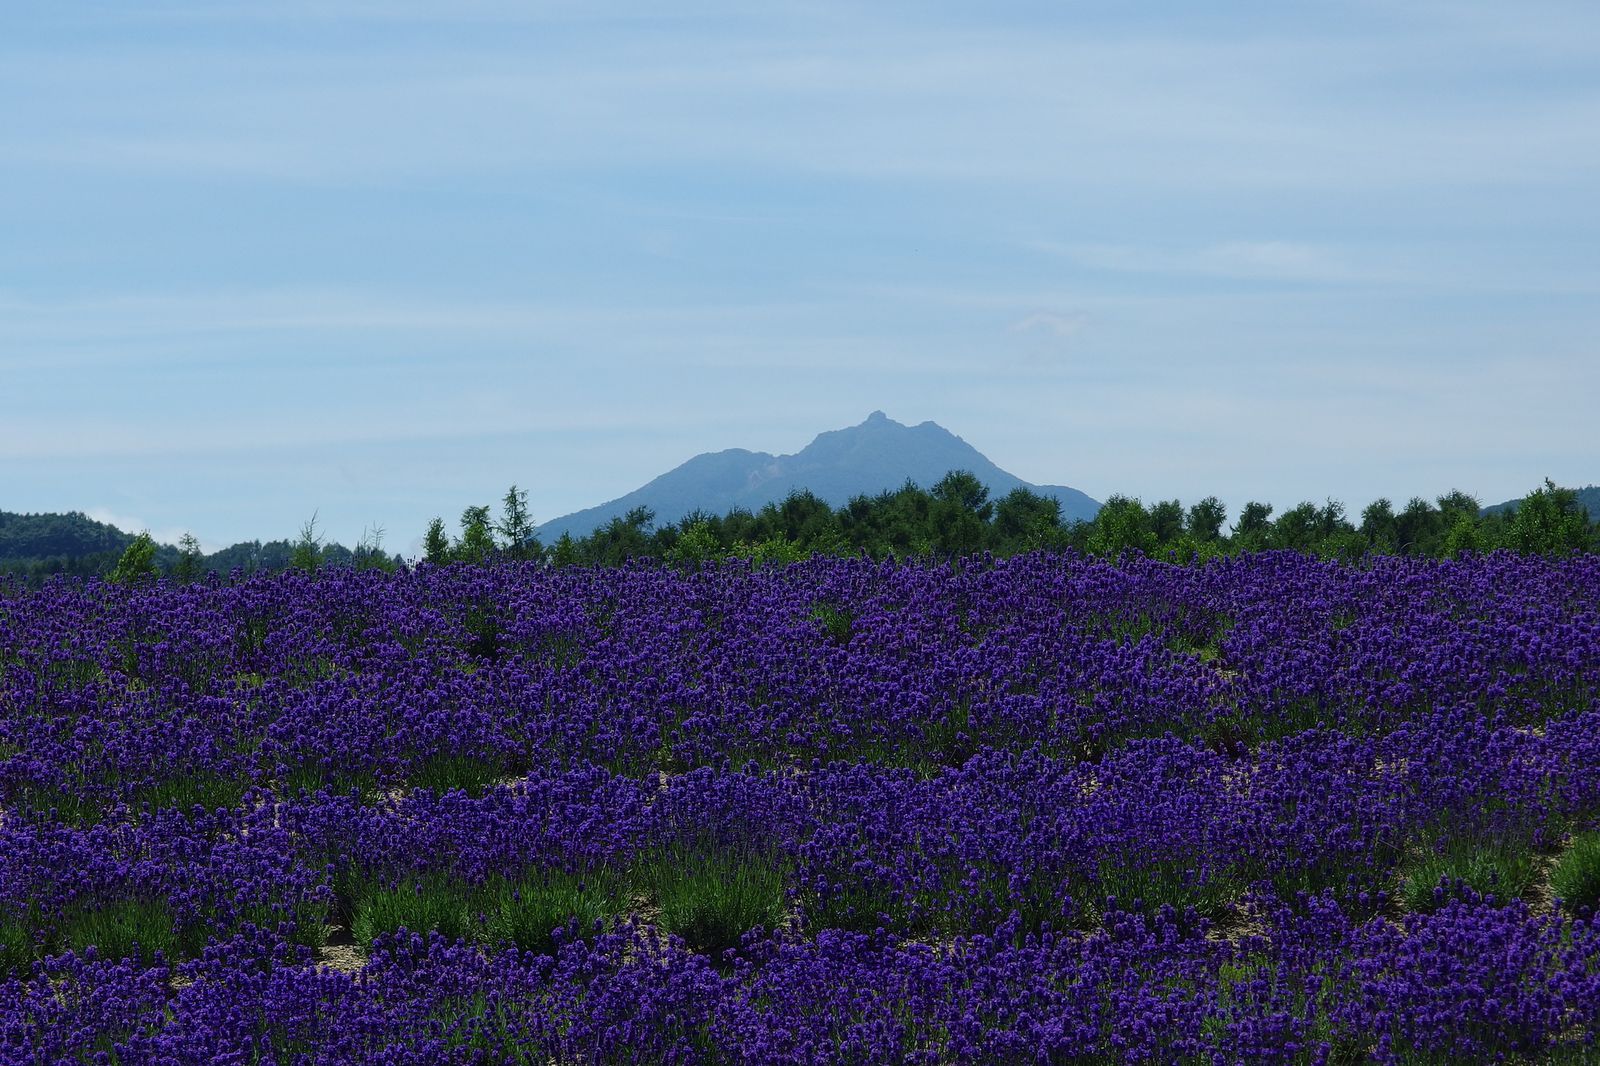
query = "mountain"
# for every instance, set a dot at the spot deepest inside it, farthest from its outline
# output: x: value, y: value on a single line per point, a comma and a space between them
x: 876, y: 456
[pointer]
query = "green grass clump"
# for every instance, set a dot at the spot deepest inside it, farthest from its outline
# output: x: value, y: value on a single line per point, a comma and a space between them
x: 711, y: 900
x: 442, y: 773
x: 432, y: 901
x: 527, y: 911
x: 1173, y: 884
x: 207, y: 790
x: 524, y: 911
x: 123, y: 928
x: 1576, y: 877
x: 1466, y: 871
x: 16, y: 947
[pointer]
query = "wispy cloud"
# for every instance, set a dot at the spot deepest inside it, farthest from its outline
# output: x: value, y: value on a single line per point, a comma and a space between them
x: 1259, y: 260
x: 1058, y: 326
x: 860, y: 96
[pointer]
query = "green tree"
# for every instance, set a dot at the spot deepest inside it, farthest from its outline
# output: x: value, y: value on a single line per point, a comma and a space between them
x: 1166, y: 521
x: 624, y: 537
x: 774, y: 551
x: 189, y: 558
x: 565, y: 551
x: 138, y: 562
x: 1204, y: 521
x: 1254, y: 526
x: 1463, y: 529
x: 477, y: 536
x: 1455, y: 503
x: 1026, y: 521
x: 1378, y: 527
x: 959, y: 514
x: 1419, y: 529
x: 516, y: 526
x: 436, y: 543
x: 307, y: 552
x: 1465, y: 537
x: 1549, y: 521
x: 1296, y: 528
x: 368, y: 554
x: 1122, y: 525
x: 696, y: 545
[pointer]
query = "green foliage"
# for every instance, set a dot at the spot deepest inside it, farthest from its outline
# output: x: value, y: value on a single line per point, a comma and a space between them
x: 368, y: 554
x: 516, y: 527
x: 138, y: 562
x: 956, y: 517
x: 1204, y: 520
x: 1027, y: 521
x: 1310, y: 529
x: 186, y: 791
x: 774, y: 551
x: 16, y: 945
x: 430, y: 901
x: 190, y: 558
x: 565, y: 551
x: 1418, y: 527
x: 836, y: 622
x: 524, y: 911
x: 1173, y: 883
x: 619, y: 540
x: 1166, y: 521
x: 960, y: 514
x: 1466, y: 537
x: 1500, y: 869
x: 1379, y: 528
x: 1122, y: 525
x: 1549, y: 522
x: 696, y: 545
x: 124, y: 928
x: 444, y: 773
x: 477, y: 536
x: 1253, y: 526
x: 1576, y: 877
x: 436, y: 543
x: 307, y: 548
x: 711, y: 900
x: 527, y: 911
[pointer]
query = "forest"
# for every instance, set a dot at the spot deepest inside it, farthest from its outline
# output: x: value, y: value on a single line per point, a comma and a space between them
x: 956, y: 516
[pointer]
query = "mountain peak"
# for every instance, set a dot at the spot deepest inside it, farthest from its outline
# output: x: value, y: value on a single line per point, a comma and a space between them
x: 874, y: 456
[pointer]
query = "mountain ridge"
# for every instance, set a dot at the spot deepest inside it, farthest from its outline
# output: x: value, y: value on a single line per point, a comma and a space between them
x: 877, y: 455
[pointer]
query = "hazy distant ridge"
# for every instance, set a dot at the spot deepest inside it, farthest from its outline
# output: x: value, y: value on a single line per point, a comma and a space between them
x: 1588, y: 498
x: 876, y: 456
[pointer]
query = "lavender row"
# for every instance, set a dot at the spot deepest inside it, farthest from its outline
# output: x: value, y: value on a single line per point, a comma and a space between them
x: 1051, y: 842
x: 1470, y: 983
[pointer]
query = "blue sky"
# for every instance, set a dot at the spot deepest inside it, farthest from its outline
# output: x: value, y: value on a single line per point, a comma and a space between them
x: 377, y: 259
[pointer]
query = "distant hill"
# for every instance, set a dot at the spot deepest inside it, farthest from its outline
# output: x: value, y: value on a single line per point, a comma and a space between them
x: 35, y: 536
x: 1588, y: 497
x: 36, y: 546
x: 876, y: 456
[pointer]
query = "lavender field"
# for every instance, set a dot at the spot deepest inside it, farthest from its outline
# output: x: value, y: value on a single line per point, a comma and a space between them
x: 1035, y: 810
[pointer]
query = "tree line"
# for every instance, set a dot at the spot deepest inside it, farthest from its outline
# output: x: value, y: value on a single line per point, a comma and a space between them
x: 956, y: 516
